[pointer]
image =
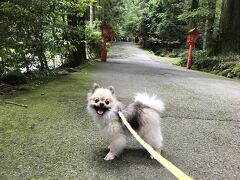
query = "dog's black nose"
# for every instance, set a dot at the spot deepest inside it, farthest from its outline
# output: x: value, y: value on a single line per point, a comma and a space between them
x: 101, y: 104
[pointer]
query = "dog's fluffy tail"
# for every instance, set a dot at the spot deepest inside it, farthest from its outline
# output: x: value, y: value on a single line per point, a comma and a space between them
x: 150, y: 101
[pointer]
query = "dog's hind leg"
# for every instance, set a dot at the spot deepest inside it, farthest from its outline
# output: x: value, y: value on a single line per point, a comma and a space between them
x: 154, y: 139
x: 150, y: 129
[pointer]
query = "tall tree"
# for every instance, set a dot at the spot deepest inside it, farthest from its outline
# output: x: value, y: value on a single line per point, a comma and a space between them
x: 229, y: 35
x: 91, y: 14
x: 209, y: 26
x: 194, y: 6
x: 76, y: 34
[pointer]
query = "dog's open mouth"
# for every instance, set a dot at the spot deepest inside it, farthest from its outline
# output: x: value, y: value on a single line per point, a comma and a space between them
x: 100, y: 110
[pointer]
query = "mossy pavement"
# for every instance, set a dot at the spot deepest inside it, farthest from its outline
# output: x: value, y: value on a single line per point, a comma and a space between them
x: 50, y: 138
x: 54, y: 138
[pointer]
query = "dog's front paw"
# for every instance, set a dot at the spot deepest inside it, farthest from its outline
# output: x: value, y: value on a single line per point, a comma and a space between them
x: 109, y: 157
x: 159, y: 151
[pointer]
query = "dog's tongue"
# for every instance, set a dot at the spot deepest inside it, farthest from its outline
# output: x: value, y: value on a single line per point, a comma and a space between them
x: 100, y: 111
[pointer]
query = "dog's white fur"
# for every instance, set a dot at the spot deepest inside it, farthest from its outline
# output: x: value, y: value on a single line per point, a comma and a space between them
x: 150, y: 101
x: 111, y: 127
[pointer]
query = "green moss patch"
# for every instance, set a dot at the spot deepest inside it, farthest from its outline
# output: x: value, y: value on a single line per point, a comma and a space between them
x: 174, y: 61
x: 51, y: 136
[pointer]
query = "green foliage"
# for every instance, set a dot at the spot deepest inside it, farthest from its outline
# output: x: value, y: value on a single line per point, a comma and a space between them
x: 41, y: 74
x: 169, y: 28
x: 174, y: 60
x: 14, y: 78
x: 94, y: 41
x: 33, y: 32
x: 230, y: 65
x: 132, y: 17
x: 225, y: 65
x: 156, y: 19
x: 113, y: 12
x: 200, y: 60
x: 236, y: 69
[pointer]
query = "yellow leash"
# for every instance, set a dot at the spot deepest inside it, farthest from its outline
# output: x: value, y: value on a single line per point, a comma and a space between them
x: 167, y: 164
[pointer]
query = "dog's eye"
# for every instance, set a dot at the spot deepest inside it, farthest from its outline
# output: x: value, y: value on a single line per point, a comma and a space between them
x: 96, y: 100
x: 107, y: 102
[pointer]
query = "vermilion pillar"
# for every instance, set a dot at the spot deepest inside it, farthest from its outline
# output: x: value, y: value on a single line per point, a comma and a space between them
x: 105, y: 33
x: 189, y: 55
x: 104, y: 50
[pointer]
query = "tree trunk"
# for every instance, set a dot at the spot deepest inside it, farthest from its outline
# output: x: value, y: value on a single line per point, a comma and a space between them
x: 2, y: 67
x: 27, y: 66
x: 91, y: 15
x: 82, y: 47
x: 77, y: 39
x: 26, y: 63
x: 209, y: 26
x: 229, y: 33
x: 194, y: 5
x: 41, y: 55
x: 41, y: 58
x: 99, y: 11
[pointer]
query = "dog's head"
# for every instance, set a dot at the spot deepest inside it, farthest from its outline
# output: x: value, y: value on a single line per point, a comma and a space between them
x: 101, y: 100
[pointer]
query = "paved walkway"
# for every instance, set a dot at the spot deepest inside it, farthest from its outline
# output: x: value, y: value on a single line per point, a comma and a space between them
x: 201, y: 123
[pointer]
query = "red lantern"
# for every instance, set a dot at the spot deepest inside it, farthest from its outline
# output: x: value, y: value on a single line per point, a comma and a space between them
x: 105, y: 28
x: 112, y: 34
x: 192, y: 36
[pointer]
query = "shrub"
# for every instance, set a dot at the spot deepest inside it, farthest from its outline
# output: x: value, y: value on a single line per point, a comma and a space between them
x: 14, y: 78
x: 225, y: 72
x: 225, y: 65
x: 161, y: 52
x: 93, y: 41
x: 156, y: 45
x: 231, y: 57
x: 236, y: 70
x: 200, y: 60
x: 152, y: 44
x: 174, y: 53
x: 183, y: 57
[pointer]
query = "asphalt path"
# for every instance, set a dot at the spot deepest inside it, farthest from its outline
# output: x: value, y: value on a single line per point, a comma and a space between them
x: 201, y: 123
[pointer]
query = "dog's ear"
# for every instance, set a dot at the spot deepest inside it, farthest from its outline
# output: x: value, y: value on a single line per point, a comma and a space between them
x: 95, y: 86
x: 111, y: 88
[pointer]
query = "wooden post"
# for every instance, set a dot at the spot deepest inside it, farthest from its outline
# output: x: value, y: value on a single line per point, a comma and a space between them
x: 189, y: 55
x: 104, y: 50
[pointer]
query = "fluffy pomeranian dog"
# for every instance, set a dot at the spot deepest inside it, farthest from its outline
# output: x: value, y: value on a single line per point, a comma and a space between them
x: 143, y: 115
